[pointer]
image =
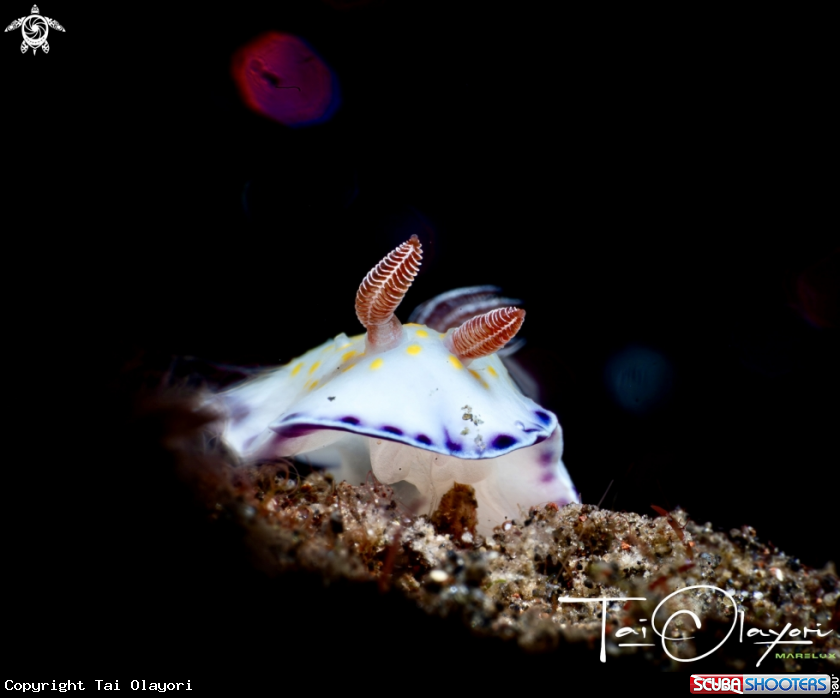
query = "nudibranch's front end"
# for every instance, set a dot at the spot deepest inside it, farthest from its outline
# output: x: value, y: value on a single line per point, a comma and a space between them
x: 411, y: 403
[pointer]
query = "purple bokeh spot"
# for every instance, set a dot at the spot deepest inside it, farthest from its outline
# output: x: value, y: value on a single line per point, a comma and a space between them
x: 423, y: 439
x: 350, y: 420
x: 281, y: 77
x: 393, y: 430
x: 547, y: 477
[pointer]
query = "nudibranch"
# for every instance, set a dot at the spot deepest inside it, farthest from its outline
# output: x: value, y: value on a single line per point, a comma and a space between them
x: 413, y: 404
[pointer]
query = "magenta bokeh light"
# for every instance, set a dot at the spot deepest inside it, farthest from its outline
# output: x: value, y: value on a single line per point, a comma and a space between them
x: 281, y: 77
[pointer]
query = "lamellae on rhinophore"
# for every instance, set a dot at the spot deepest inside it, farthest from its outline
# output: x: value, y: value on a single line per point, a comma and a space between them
x: 281, y: 77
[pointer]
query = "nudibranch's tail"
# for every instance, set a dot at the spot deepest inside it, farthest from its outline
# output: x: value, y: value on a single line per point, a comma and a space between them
x: 485, y: 334
x: 383, y: 289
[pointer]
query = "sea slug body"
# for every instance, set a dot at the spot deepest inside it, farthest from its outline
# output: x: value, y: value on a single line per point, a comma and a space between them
x: 411, y: 403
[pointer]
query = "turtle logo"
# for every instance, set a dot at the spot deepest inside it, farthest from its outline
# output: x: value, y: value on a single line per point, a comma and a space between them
x: 35, y: 30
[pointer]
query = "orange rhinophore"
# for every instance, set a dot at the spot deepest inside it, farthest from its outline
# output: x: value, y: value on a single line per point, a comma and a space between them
x: 383, y: 289
x: 486, y: 334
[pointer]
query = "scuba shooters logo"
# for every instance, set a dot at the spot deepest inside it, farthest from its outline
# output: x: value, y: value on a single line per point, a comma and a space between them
x: 35, y: 28
x: 754, y: 684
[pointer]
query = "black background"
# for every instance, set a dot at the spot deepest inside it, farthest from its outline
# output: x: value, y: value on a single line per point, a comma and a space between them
x: 655, y: 181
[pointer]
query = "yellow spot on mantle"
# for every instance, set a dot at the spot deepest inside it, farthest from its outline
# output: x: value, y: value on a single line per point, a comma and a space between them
x: 312, y: 386
x: 348, y: 368
x: 454, y: 361
x: 314, y: 366
x: 297, y: 368
x: 348, y: 355
x: 422, y: 333
x: 492, y: 372
x: 414, y: 349
x: 478, y: 377
x: 376, y: 363
x: 412, y: 324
